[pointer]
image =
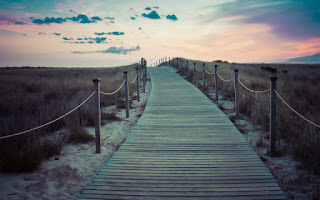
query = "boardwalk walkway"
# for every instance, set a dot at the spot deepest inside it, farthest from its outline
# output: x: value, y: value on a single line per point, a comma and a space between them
x: 183, y: 147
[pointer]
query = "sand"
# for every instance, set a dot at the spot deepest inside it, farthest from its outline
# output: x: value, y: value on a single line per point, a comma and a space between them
x: 66, y: 175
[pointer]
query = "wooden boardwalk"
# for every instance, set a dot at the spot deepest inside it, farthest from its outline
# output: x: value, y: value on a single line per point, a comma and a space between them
x: 183, y: 147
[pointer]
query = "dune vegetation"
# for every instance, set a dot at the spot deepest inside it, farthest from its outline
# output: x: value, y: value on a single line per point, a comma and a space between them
x: 33, y: 96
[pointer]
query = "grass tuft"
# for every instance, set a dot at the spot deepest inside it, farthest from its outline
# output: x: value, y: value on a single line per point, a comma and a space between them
x: 80, y: 135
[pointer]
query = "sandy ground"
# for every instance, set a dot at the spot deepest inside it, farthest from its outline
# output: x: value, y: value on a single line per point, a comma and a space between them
x: 64, y: 176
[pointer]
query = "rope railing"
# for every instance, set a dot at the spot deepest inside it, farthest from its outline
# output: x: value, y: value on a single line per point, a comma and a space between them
x: 273, y: 101
x: 254, y: 91
x: 48, y: 123
x: 134, y: 80
x: 111, y: 93
x: 208, y: 72
x: 293, y: 110
x: 141, y: 75
x: 223, y: 78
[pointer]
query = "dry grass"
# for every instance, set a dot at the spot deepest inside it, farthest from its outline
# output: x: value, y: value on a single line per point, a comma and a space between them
x: 33, y: 96
x: 298, y: 84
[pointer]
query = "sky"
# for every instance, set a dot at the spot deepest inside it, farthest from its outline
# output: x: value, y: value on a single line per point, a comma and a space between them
x: 105, y: 33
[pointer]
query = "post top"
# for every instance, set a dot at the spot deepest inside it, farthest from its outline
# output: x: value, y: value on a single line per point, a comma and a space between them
x: 96, y: 80
x: 204, y: 63
x: 194, y: 63
x: 215, y: 65
x: 125, y: 72
x: 137, y: 68
x: 273, y: 78
x: 236, y: 70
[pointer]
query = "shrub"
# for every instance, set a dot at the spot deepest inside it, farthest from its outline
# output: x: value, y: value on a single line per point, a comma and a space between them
x: 110, y: 116
x: 21, y: 157
x: 80, y: 135
x: 52, y: 147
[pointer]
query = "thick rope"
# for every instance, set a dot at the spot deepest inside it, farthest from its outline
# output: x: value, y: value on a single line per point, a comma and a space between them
x: 208, y: 72
x: 141, y: 75
x: 199, y: 70
x: 223, y: 78
x: 46, y: 124
x: 108, y: 94
x: 134, y: 80
x: 263, y: 91
x: 295, y: 110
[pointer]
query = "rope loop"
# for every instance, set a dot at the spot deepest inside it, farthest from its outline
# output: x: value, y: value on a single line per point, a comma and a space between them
x: 296, y: 112
x: 208, y: 72
x: 134, y: 79
x: 108, y: 94
x: 254, y: 91
x: 223, y: 78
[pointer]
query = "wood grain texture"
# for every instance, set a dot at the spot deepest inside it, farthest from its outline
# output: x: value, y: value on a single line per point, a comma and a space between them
x: 183, y: 147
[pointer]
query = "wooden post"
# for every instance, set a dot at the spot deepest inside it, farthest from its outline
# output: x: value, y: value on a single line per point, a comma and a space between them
x: 126, y: 88
x: 204, y: 74
x: 273, y: 112
x: 236, y: 93
x: 177, y: 62
x: 216, y: 81
x: 143, y: 80
x: 187, y: 68
x: 138, y: 88
x: 97, y: 114
x: 145, y: 74
x: 194, y: 73
x: 180, y: 66
x: 169, y: 61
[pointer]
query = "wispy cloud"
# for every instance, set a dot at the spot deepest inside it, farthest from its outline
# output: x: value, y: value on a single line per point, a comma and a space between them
x: 82, y: 19
x: 85, y: 40
x: 111, y: 50
x: 110, y: 33
x: 48, y: 20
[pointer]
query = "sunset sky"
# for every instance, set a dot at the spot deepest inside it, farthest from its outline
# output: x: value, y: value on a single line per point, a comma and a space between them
x: 102, y: 33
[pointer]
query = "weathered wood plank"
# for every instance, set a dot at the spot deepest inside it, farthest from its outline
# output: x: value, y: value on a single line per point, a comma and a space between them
x: 183, y: 147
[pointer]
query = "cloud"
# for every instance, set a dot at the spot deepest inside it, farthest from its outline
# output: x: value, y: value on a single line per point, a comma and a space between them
x: 19, y: 23
x: 140, y: 28
x: 147, y: 8
x: 110, y: 18
x: 67, y: 39
x: 96, y: 18
x: 57, y: 34
x: 172, y: 17
x: 152, y: 15
x: 133, y: 18
x: 89, y: 40
x: 288, y: 19
x: 48, y: 20
x: 83, y: 19
x: 42, y: 33
x: 156, y: 7
x: 110, y: 33
x: 112, y: 50
x: 99, y: 39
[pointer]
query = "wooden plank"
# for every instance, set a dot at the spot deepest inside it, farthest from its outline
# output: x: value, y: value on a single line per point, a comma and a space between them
x: 183, y: 147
